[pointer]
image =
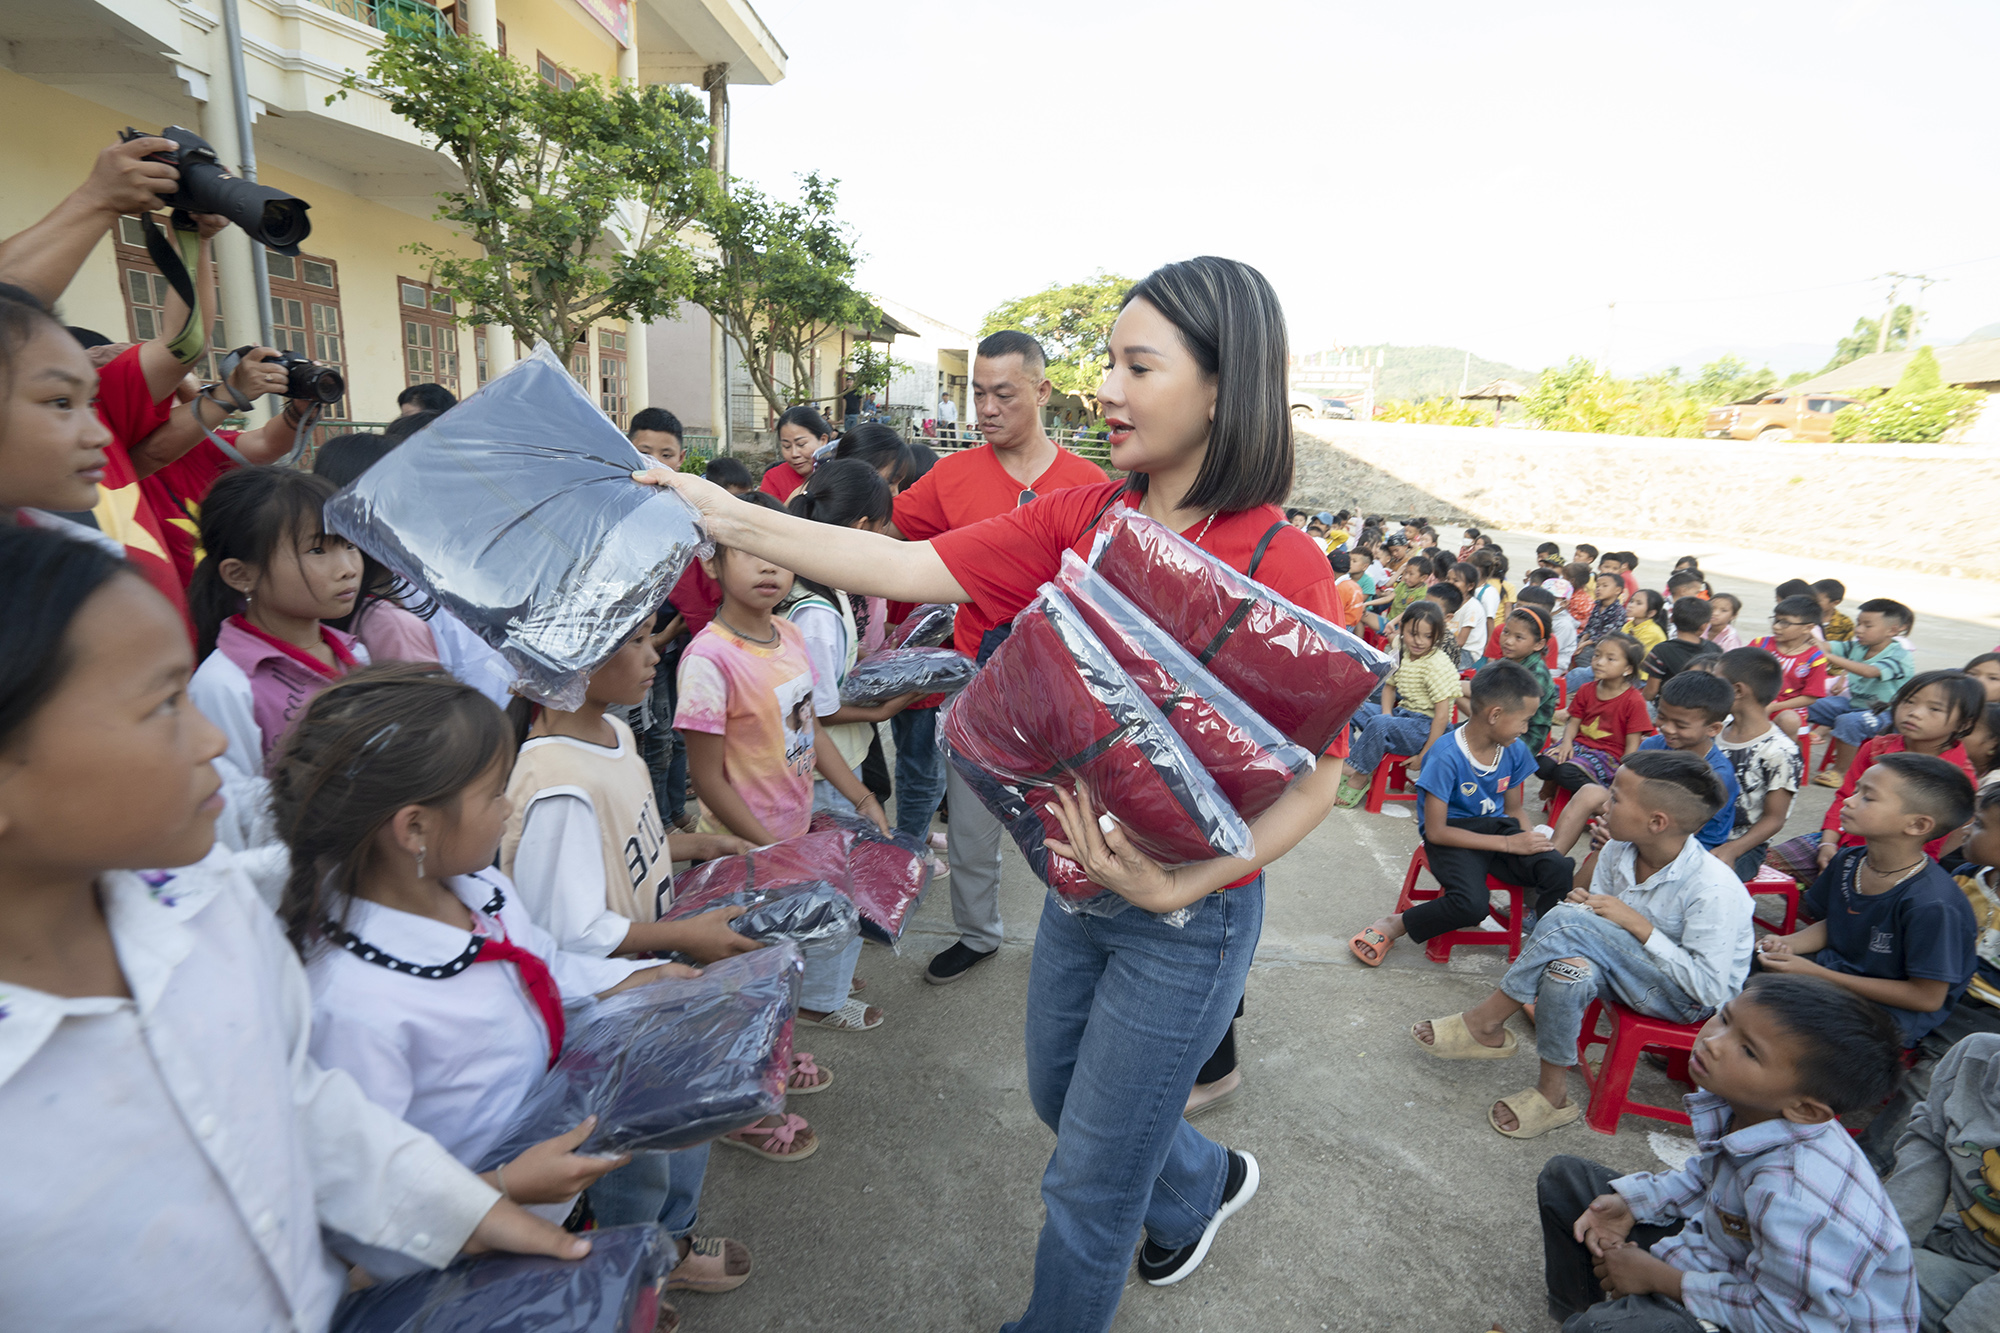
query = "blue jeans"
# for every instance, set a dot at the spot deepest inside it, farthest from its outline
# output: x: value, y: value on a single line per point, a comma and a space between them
x: 662, y: 1187
x: 826, y: 796
x: 829, y: 972
x: 1619, y: 969
x: 1122, y: 1012
x: 661, y: 746
x: 1579, y: 678
x: 919, y: 769
x: 1852, y: 723
x: 1400, y: 732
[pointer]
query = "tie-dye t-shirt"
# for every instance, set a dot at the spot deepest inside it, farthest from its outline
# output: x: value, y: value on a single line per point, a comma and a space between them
x: 759, y: 700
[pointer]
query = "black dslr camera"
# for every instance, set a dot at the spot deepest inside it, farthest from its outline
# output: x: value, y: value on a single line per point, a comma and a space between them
x: 275, y: 219
x: 305, y: 379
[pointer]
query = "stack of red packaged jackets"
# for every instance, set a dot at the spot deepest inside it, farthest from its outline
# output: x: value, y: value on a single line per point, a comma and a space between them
x: 886, y: 873
x: 1304, y: 674
x: 820, y: 856
x: 1052, y: 706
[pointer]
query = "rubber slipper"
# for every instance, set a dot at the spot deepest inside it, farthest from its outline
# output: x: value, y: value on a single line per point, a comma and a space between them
x: 856, y: 986
x: 1533, y: 1116
x: 713, y: 1264
x: 1451, y: 1039
x: 804, y: 1064
x: 1374, y: 942
x: 784, y: 1134
x: 667, y: 1320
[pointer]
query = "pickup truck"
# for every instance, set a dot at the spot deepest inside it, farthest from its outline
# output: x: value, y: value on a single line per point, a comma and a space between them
x: 1783, y: 415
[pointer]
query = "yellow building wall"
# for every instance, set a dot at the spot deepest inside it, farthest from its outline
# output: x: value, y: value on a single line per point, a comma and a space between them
x: 561, y: 31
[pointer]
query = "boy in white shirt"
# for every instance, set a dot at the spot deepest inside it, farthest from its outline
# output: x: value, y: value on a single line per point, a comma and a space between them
x: 1665, y: 929
x: 1769, y: 771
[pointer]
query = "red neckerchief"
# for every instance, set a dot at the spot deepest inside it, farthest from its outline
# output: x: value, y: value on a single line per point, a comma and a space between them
x: 540, y: 985
x: 301, y: 656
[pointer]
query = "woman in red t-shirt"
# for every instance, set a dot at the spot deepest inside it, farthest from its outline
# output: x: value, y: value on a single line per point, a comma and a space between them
x: 1123, y: 1010
x: 801, y: 432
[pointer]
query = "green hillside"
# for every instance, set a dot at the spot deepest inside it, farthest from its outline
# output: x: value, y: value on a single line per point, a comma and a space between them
x: 1417, y: 373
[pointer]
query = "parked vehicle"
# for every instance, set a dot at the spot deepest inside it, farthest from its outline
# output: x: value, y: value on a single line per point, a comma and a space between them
x: 1312, y: 405
x: 1777, y: 416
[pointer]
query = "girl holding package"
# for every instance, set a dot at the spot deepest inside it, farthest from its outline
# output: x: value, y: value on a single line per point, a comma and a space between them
x: 1124, y: 1010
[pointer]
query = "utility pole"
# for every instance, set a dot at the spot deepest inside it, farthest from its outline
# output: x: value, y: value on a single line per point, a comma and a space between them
x: 1465, y: 376
x: 1924, y: 284
x: 1896, y: 281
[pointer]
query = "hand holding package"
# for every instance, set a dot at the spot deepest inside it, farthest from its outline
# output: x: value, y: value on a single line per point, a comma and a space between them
x: 886, y: 873
x: 882, y: 676
x: 516, y: 510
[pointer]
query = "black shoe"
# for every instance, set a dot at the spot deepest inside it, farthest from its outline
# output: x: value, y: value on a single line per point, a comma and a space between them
x: 954, y: 963
x: 1163, y: 1268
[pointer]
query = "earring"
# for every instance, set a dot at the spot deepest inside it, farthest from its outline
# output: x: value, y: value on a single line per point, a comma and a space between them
x: 420, y: 861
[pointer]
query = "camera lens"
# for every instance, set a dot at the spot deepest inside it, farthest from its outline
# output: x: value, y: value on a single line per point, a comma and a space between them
x: 284, y: 223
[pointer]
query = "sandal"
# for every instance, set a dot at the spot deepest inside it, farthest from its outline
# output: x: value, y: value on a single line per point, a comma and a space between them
x: 805, y: 1067
x: 712, y: 1264
x: 1375, y: 942
x: 1451, y: 1039
x: 850, y: 1017
x: 788, y: 1131
x: 1533, y: 1115
x: 668, y: 1319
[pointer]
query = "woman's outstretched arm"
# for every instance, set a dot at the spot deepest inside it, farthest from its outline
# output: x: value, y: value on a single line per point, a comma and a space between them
x: 844, y: 558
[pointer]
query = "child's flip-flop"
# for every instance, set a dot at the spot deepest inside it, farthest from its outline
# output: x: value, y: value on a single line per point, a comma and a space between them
x: 784, y: 1134
x: 1451, y: 1039
x: 1533, y: 1116
x: 1371, y: 946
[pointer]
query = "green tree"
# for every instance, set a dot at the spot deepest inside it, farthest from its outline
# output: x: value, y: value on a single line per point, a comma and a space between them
x: 1575, y: 397
x: 781, y: 279
x: 1072, y: 323
x: 1867, y: 335
x: 1920, y: 409
x: 1921, y: 375
x: 1729, y: 379
x: 578, y: 196
x: 869, y: 371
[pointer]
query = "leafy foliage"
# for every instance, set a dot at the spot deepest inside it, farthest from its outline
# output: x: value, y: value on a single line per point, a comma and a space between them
x: 578, y: 196
x: 780, y: 280
x: 1575, y: 397
x: 1867, y: 332
x: 1729, y: 379
x: 1439, y: 411
x: 1921, y: 409
x: 1421, y: 373
x: 1072, y: 323
x: 869, y: 371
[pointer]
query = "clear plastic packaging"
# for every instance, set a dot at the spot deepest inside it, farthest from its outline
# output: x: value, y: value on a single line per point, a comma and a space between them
x: 819, y: 856
x: 805, y: 911
x: 613, y: 1289
x: 1250, y: 760
x: 671, y: 1064
x: 886, y: 874
x: 517, y: 511
x: 883, y: 676
x: 1052, y: 706
x: 926, y: 626
x: 1303, y: 673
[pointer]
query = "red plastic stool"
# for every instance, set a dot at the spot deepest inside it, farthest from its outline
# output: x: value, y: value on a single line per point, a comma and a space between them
x: 1562, y: 690
x: 1556, y: 804
x: 1769, y: 880
x: 1805, y: 747
x: 1438, y: 948
x: 1610, y: 1083
x: 1390, y: 783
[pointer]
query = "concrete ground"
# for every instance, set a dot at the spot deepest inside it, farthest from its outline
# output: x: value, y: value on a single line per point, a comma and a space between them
x: 1387, y: 1201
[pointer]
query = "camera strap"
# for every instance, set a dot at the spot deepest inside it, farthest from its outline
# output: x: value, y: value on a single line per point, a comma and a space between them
x: 174, y: 264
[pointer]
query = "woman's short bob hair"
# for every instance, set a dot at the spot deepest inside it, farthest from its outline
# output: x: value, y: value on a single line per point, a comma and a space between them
x: 813, y: 423
x: 1229, y: 319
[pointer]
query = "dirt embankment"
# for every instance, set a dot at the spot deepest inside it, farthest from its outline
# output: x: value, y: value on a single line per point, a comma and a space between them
x: 1931, y: 513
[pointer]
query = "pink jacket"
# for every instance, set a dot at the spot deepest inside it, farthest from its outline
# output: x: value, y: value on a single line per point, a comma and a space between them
x: 282, y: 681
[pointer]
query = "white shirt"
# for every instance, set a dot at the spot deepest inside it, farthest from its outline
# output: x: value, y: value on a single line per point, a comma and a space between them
x: 1702, y: 934
x: 453, y: 1055
x: 948, y: 409
x: 173, y: 1156
x: 559, y: 870
x: 221, y: 692
x: 1563, y: 626
x: 1474, y: 615
x: 827, y: 645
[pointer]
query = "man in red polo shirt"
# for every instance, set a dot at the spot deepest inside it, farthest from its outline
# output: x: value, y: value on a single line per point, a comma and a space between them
x: 1018, y: 462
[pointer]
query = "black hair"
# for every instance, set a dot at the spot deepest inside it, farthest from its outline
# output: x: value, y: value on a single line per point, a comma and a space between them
x: 1611, y: 574
x: 428, y: 397
x: 922, y: 459
x: 880, y: 448
x: 1711, y: 696
x: 1756, y: 671
x: 1735, y: 602
x: 49, y: 578
x: 1422, y: 564
x: 1685, y: 578
x: 1796, y: 588
x: 248, y: 515
x: 1291, y: 514
x: 1798, y: 607
x: 1690, y: 615
x: 1850, y: 1050
x: 1635, y: 652
x: 1587, y: 547
x: 765, y: 500
x: 1446, y: 594
x: 22, y: 315
x: 402, y: 428
x: 381, y: 738
x: 345, y: 457
x: 1964, y: 695
x: 1832, y: 588
x: 1887, y: 606
x: 1230, y: 321
x: 1548, y: 548
x: 843, y: 492
x: 1932, y: 786
x: 1486, y: 562
x: 1013, y: 342
x: 1504, y: 684
x: 1342, y: 562
x: 1577, y: 574
x: 805, y: 416
x: 1991, y: 720
x: 1688, y: 562
x: 1982, y: 660
x: 1538, y: 618
x: 1656, y: 608
x: 1629, y: 560
x: 727, y: 471
x: 1535, y: 577
x: 1468, y: 571
x: 88, y: 338
x: 1536, y: 595
x: 1683, y: 784
x: 655, y: 418
x: 1426, y: 613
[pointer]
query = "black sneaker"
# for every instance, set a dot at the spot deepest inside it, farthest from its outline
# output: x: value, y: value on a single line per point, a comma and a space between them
x: 1163, y: 1268
x: 954, y: 963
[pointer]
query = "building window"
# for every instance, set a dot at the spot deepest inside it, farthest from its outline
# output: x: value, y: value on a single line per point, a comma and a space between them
x: 305, y: 313
x: 145, y: 289
x: 612, y: 395
x: 501, y: 29
x: 553, y: 74
x: 430, y: 334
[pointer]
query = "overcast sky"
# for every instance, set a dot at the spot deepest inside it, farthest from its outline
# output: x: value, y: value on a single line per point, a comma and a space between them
x: 1489, y: 176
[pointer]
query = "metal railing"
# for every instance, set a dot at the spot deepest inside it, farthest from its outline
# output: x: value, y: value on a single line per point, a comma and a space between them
x: 1085, y: 444
x: 401, y: 17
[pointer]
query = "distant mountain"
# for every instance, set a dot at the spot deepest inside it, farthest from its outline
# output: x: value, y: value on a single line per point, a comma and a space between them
x: 1417, y: 373
x: 1981, y: 335
x: 1784, y: 358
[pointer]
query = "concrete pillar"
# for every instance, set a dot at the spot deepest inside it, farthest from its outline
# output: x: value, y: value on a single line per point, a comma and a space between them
x: 638, y: 374
x: 483, y: 19
x: 235, y: 273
